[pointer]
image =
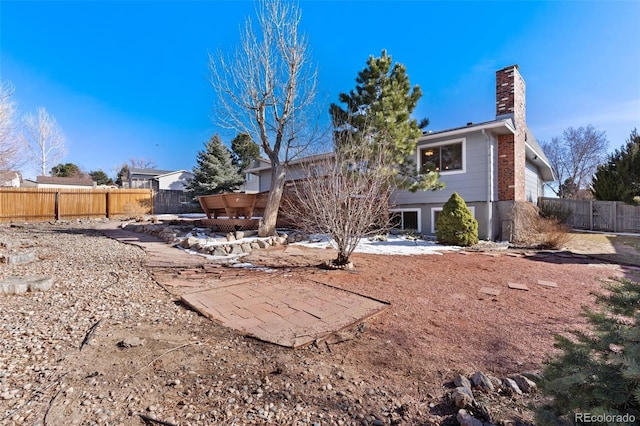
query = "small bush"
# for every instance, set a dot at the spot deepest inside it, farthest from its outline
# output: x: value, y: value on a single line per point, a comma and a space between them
x: 531, y: 229
x: 598, y: 372
x: 455, y: 223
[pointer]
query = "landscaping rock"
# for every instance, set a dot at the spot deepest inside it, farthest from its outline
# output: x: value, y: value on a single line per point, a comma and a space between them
x: 219, y: 251
x: 526, y: 385
x: 19, y: 258
x: 131, y: 342
x: 462, y: 381
x: 19, y: 285
x: 463, y: 397
x: 466, y: 419
x: 246, y: 247
x: 511, y: 386
x: 480, y: 380
x: 13, y: 286
x: 262, y: 244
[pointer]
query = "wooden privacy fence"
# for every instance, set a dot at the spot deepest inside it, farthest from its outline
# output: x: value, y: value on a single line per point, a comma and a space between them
x: 611, y: 216
x: 43, y: 204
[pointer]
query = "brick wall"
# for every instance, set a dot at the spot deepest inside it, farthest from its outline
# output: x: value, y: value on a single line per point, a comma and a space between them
x: 511, y: 102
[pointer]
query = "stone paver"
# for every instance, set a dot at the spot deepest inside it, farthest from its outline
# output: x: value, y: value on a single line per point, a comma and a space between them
x: 271, y: 307
x: 518, y: 286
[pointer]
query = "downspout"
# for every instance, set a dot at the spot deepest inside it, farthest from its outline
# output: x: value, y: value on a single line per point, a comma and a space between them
x: 489, y: 187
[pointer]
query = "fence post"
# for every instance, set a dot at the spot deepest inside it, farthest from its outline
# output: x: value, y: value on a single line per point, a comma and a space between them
x: 591, y: 215
x: 56, y: 208
x: 614, y: 207
x: 108, y: 204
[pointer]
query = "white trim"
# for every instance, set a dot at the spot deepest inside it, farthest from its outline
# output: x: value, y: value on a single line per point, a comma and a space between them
x: 417, y: 210
x: 447, y: 142
x: 439, y: 209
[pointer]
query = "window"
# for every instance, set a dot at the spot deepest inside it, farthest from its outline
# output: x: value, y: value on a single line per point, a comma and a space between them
x: 405, y: 219
x: 442, y: 158
x: 435, y: 212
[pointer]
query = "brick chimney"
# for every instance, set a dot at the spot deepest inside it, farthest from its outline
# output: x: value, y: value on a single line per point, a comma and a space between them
x: 511, y: 103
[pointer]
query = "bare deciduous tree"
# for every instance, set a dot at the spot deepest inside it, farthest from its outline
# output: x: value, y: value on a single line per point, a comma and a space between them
x: 267, y: 90
x: 575, y: 157
x: 142, y: 163
x: 12, y: 148
x: 344, y: 194
x: 45, y: 139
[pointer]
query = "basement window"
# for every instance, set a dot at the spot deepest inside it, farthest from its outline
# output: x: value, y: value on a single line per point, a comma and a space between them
x: 405, y: 219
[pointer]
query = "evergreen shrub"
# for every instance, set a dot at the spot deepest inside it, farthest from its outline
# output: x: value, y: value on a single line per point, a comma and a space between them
x: 456, y: 225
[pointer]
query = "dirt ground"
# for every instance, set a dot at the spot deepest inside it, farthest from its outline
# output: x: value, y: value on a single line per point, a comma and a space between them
x: 395, y: 369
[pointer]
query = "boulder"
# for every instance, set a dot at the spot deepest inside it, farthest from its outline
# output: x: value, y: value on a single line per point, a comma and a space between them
x: 511, y: 386
x: 463, y: 397
x: 526, y: 385
x: 466, y: 419
x: 236, y: 249
x: 480, y: 380
x: 262, y: 244
x: 246, y: 247
x: 462, y: 381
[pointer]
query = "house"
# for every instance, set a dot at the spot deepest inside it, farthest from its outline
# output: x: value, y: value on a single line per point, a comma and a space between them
x: 258, y: 175
x: 10, y: 178
x: 158, y: 179
x: 64, y: 182
x: 490, y: 165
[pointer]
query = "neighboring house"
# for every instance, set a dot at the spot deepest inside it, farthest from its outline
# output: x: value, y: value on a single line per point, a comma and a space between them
x: 64, y: 182
x: 158, y: 179
x: 9, y: 178
x: 490, y: 165
x: 253, y: 176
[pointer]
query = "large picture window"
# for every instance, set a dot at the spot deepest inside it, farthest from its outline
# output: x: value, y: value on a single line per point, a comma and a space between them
x: 442, y: 158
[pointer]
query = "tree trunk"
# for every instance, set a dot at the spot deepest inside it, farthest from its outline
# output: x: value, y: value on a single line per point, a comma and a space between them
x: 267, y: 226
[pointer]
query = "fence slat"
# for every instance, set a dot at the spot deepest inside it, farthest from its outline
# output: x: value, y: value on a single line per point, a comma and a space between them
x: 612, y: 216
x: 44, y: 204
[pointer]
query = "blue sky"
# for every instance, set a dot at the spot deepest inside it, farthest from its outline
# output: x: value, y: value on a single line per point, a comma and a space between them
x: 128, y: 79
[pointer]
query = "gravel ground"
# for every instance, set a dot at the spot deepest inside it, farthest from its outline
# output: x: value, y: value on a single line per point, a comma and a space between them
x: 107, y: 345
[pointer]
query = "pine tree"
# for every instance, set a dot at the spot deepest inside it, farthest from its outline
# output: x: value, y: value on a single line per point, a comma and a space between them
x: 243, y: 151
x: 214, y: 173
x: 619, y: 178
x: 598, y: 372
x: 456, y: 224
x: 380, y: 107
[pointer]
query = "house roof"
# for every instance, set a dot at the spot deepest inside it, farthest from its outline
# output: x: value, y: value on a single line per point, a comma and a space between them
x: 533, y: 151
x: 9, y: 175
x: 55, y: 180
x: 149, y: 172
x: 310, y: 159
x: 173, y: 173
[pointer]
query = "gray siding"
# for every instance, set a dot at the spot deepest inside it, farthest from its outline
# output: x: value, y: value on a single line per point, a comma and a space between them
x: 253, y: 183
x: 532, y: 183
x: 471, y: 185
x: 426, y: 216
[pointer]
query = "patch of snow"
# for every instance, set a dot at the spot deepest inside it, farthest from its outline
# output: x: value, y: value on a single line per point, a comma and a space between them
x: 394, y: 245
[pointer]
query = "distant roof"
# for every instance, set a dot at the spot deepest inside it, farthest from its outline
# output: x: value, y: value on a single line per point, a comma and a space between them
x: 150, y: 172
x: 55, y: 180
x: 9, y: 175
x: 311, y: 158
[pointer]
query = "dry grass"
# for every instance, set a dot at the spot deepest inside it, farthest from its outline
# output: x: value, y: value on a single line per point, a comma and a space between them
x: 531, y: 229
